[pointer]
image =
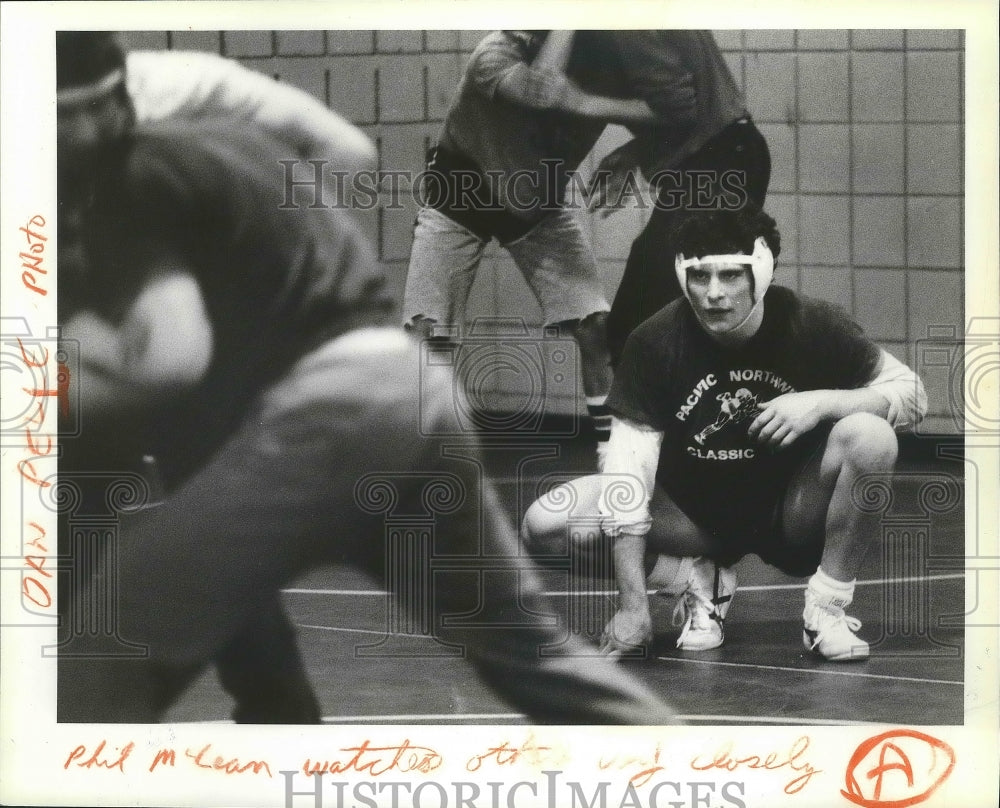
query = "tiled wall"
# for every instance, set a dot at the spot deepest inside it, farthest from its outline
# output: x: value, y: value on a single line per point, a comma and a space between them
x: 865, y: 129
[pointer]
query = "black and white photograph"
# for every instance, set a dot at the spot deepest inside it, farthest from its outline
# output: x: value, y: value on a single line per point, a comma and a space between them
x: 601, y: 413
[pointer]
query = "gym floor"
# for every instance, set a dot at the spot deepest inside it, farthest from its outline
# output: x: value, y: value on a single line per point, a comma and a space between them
x: 911, y: 601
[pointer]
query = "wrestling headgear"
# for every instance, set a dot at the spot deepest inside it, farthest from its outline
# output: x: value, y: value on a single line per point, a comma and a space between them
x: 88, y: 64
x: 761, y: 263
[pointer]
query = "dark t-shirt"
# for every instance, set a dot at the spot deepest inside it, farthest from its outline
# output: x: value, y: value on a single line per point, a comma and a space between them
x: 277, y: 280
x: 681, y: 74
x: 529, y: 152
x: 703, y: 396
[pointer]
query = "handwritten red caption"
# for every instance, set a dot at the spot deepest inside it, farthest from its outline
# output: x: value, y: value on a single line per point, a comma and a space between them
x: 31, y: 257
x: 793, y: 760
x: 896, y: 769
x: 648, y: 765
x: 377, y: 760
x: 114, y: 758
x: 506, y: 754
x: 35, y: 585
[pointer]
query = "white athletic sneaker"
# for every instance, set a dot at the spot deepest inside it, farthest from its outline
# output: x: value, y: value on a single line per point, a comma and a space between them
x: 829, y: 632
x: 703, y: 605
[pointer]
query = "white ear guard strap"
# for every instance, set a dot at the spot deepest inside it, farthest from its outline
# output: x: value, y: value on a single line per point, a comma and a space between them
x: 71, y: 96
x: 761, y: 264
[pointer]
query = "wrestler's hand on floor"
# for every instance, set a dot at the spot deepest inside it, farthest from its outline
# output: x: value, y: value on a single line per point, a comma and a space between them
x: 627, y: 630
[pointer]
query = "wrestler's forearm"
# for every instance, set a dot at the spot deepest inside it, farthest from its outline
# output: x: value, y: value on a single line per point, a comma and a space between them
x: 841, y: 403
x: 555, y: 51
x: 630, y: 550
x: 626, y: 111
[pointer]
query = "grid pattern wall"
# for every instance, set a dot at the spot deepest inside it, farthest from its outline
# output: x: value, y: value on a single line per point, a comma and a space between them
x: 866, y: 135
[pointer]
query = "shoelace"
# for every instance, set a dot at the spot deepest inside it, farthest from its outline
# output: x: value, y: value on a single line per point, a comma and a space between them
x: 834, y: 621
x: 689, y: 614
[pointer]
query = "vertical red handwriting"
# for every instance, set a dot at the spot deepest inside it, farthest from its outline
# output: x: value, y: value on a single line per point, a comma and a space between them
x: 34, y: 589
x: 35, y: 578
x: 63, y: 378
x: 33, y: 586
x: 31, y: 258
x: 26, y: 465
x: 96, y: 757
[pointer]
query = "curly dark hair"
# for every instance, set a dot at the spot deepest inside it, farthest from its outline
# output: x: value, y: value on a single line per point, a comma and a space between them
x: 714, y: 232
x: 84, y: 57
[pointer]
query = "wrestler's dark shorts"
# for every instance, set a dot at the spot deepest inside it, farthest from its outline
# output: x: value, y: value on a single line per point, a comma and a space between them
x: 757, y: 525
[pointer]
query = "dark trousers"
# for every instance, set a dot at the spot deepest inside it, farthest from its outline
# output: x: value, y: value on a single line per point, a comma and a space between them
x: 649, y: 281
x: 261, y: 667
x: 361, y: 435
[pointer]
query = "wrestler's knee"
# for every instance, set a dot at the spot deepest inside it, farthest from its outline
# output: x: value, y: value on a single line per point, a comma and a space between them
x: 543, y: 530
x: 561, y: 517
x: 864, y: 441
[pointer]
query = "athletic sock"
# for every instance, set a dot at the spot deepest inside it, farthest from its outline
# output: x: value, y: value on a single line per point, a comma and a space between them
x: 600, y: 417
x: 827, y: 591
x: 670, y: 574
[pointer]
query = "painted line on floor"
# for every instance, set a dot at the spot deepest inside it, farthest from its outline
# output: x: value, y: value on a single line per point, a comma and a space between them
x: 872, y: 582
x: 776, y: 587
x: 409, y: 719
x: 346, y: 592
x: 776, y: 719
x: 707, y: 719
x: 817, y: 671
x: 602, y: 592
x: 445, y: 718
x: 358, y: 631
